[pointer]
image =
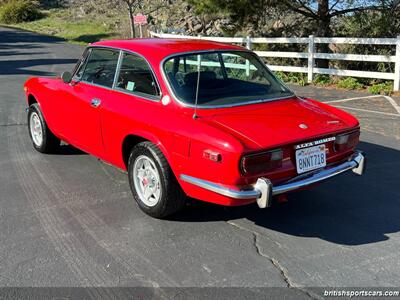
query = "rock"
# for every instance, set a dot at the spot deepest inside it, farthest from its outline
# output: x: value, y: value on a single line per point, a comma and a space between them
x: 198, y: 27
x: 209, y: 31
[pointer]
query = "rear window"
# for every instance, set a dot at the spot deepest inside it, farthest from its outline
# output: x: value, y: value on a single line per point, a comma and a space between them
x: 222, y: 78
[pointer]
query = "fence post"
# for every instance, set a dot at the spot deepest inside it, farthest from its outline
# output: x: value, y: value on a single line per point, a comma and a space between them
x: 396, y: 84
x: 248, y: 42
x: 311, y: 50
x: 248, y: 46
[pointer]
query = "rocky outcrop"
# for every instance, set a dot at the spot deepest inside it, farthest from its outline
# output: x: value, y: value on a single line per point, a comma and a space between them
x: 184, y: 20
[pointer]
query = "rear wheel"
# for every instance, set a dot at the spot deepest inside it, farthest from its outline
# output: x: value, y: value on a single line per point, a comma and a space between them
x: 153, y: 183
x: 42, y: 138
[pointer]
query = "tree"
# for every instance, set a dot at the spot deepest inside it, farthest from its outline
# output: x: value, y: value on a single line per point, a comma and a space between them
x: 132, y: 6
x: 320, y: 13
x: 323, y: 11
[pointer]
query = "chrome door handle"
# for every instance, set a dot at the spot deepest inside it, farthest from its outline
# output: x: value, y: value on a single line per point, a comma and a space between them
x: 95, y: 102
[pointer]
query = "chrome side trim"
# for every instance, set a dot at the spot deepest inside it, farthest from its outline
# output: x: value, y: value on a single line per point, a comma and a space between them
x: 219, y: 189
x: 263, y: 190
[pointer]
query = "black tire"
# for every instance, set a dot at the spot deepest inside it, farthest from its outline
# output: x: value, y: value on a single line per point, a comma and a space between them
x: 50, y: 143
x: 172, y: 197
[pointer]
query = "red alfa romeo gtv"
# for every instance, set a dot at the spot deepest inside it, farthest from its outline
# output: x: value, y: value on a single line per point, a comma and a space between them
x: 192, y: 118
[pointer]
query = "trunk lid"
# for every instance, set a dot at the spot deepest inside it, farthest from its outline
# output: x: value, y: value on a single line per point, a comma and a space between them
x: 280, y: 122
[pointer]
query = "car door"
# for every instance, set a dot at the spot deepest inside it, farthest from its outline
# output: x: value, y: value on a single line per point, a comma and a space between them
x: 134, y: 107
x: 82, y: 107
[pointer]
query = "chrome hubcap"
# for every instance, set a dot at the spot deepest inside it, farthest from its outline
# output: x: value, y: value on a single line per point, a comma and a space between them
x: 36, y: 129
x: 147, y: 180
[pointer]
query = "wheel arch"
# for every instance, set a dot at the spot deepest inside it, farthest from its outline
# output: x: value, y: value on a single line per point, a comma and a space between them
x: 132, y: 139
x: 31, y: 99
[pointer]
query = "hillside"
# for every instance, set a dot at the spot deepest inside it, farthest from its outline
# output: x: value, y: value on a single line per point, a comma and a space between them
x: 83, y: 22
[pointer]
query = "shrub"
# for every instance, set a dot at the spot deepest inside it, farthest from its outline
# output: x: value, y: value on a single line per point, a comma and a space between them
x: 321, y: 79
x: 385, y: 88
x: 18, y: 11
x: 350, y: 83
x: 297, y: 78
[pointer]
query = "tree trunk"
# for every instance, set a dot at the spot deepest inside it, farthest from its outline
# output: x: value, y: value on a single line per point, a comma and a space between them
x: 324, y: 30
x: 132, y: 23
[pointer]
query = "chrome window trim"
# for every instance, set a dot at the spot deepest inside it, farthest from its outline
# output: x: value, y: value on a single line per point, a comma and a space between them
x: 113, y: 88
x: 140, y: 55
x: 138, y: 94
x: 184, y: 104
x: 118, y: 69
x: 87, y: 59
x: 96, y: 85
x: 155, y: 98
x: 76, y: 78
x: 82, y: 62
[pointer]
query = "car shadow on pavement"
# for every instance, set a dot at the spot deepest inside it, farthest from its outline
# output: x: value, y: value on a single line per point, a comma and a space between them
x: 91, y: 38
x: 66, y: 149
x: 13, y: 53
x: 14, y: 67
x: 348, y: 210
x: 18, y: 43
x: 12, y: 36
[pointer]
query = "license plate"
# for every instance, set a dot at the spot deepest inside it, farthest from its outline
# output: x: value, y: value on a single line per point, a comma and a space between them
x: 312, y: 158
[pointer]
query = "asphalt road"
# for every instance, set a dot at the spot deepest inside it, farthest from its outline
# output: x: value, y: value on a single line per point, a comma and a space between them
x: 69, y: 220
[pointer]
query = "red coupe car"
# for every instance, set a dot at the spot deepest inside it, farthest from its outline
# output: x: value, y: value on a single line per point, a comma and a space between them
x: 192, y: 118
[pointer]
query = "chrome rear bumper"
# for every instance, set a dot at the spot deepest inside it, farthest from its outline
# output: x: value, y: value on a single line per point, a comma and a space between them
x: 263, y: 190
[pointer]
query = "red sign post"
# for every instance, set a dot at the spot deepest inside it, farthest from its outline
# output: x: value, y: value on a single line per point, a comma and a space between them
x: 140, y: 20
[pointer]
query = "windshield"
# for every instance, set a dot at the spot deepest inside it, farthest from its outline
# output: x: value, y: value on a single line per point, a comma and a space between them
x: 226, y: 78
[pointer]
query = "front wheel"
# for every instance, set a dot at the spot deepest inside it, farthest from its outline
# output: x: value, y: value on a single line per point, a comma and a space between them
x: 42, y: 138
x: 153, y: 184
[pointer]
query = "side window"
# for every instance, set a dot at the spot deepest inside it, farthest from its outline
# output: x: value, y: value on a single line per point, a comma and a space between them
x: 101, y: 66
x: 135, y: 76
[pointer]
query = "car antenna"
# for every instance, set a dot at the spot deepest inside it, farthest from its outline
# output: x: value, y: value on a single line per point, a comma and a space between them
x: 197, y: 87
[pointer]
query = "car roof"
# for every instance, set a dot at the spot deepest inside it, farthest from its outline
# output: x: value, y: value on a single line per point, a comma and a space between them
x: 161, y: 48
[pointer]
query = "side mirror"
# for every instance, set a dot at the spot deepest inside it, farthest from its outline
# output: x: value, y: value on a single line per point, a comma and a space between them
x: 66, y: 77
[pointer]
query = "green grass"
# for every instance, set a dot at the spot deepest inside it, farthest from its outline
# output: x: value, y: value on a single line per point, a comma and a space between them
x: 57, y: 22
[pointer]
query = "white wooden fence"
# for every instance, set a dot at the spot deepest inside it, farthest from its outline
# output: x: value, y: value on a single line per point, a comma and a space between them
x: 311, y: 55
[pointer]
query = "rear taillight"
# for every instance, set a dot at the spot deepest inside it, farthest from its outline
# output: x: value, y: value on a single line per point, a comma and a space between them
x: 346, y: 141
x: 261, y: 162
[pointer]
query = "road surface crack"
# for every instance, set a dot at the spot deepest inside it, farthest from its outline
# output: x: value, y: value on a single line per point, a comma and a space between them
x: 12, y: 124
x: 283, y: 272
